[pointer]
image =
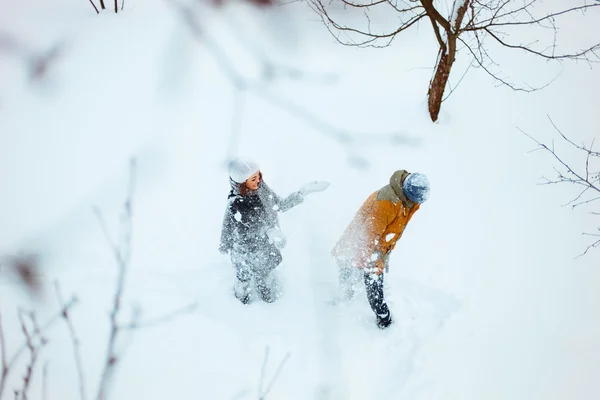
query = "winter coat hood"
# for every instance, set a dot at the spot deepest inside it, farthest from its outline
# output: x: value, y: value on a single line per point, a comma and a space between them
x: 393, y: 191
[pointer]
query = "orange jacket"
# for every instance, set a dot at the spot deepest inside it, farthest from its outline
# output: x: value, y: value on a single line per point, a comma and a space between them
x: 377, y: 226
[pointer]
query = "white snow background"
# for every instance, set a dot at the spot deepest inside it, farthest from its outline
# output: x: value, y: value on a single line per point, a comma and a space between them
x: 488, y: 297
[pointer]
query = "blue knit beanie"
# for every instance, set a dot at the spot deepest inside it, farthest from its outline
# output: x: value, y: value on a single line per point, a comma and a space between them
x: 416, y: 187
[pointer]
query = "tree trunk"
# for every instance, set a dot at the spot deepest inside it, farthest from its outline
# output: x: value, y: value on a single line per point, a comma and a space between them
x: 447, y: 55
x: 438, y: 84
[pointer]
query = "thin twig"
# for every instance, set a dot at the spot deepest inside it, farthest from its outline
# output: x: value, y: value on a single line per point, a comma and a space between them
x: 564, y: 164
x: 34, y: 353
x: 591, y: 246
x: 76, y: 351
x: 262, y: 372
x: 122, y: 256
x: 95, y: 8
x: 572, y: 176
x: 107, y: 236
x: 5, y: 366
x: 45, y: 381
x: 275, y: 376
x: 164, y: 318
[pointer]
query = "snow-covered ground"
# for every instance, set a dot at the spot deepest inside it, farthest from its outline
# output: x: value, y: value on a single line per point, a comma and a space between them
x: 489, y: 300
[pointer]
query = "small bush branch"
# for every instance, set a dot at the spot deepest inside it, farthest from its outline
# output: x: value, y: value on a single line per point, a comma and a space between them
x: 76, y: 351
x: 34, y: 351
x: 5, y: 365
x: 161, y: 319
x: 9, y: 363
x: 122, y: 254
x: 45, y: 382
x: 263, y: 395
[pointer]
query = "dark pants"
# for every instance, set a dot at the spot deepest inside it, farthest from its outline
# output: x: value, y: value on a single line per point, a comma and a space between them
x: 350, y: 275
x: 374, y: 288
x: 257, y: 267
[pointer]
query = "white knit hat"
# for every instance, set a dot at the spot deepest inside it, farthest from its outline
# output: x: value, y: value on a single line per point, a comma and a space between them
x: 240, y: 169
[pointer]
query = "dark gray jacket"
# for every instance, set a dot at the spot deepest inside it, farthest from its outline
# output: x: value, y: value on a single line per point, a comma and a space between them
x: 248, y: 218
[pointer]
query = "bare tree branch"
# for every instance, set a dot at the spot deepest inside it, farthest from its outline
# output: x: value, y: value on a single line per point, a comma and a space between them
x: 591, y: 246
x: 433, y: 13
x: 122, y: 256
x: 581, y: 55
x: 243, y: 85
x: 5, y: 365
x: 262, y: 372
x: 76, y: 351
x: 586, y: 181
x: 479, y: 61
x: 488, y: 23
x: 34, y: 351
x: 45, y: 381
x: 264, y: 396
x: 95, y: 8
x: 161, y: 319
x: 482, y: 16
x: 8, y: 364
x: 371, y: 37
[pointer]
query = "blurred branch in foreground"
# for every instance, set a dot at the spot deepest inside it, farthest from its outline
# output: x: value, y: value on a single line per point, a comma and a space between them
x: 26, y: 268
x: 259, y: 88
x: 262, y: 395
x: 122, y: 253
x: 586, y: 178
x: 31, y: 336
x: 38, y: 62
x: 75, y: 341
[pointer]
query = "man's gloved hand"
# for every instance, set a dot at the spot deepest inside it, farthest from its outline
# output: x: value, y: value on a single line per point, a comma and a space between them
x: 315, y: 186
x: 276, y: 237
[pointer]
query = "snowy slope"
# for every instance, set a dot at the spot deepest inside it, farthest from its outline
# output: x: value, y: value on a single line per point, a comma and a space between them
x: 488, y: 299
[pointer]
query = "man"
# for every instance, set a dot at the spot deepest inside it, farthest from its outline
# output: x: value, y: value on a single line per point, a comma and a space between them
x: 372, y: 235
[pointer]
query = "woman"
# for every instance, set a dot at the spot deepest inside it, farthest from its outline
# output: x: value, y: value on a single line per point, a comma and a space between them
x: 251, y: 234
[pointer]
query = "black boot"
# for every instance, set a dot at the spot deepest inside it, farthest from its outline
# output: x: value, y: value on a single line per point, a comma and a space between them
x: 384, y: 322
x: 266, y: 294
x: 268, y: 287
x: 241, y: 291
